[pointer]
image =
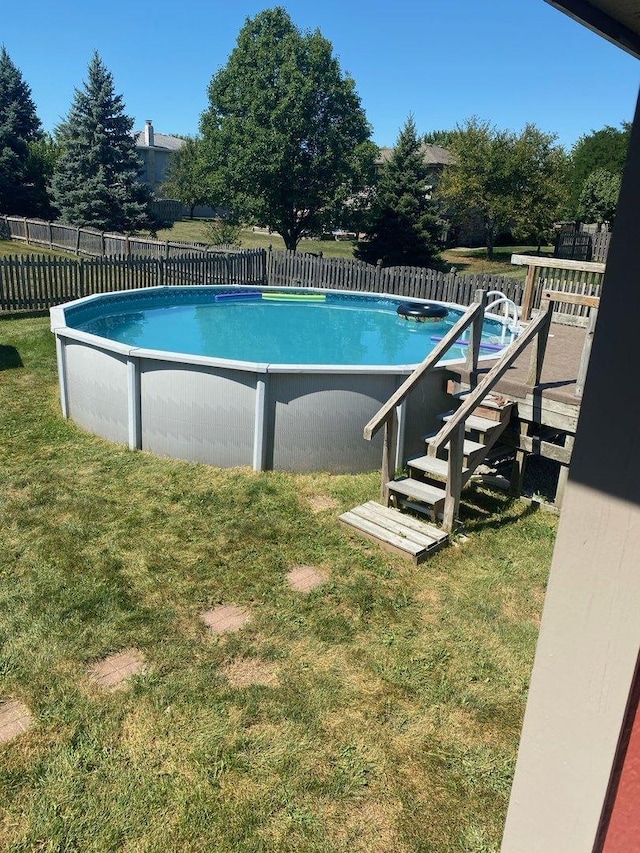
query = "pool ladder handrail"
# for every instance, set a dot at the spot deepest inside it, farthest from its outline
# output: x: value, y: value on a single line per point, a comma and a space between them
x: 510, y: 318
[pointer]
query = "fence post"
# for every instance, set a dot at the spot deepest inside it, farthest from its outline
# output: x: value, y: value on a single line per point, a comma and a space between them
x: 77, y: 240
x: 26, y: 229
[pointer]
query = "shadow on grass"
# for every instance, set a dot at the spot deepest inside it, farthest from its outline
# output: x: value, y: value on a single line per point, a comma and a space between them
x: 9, y: 358
x: 485, y: 511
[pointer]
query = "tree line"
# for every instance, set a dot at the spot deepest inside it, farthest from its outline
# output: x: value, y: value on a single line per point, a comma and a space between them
x: 285, y: 143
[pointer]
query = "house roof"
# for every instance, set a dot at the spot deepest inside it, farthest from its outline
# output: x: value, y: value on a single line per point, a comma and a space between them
x: 616, y: 20
x: 434, y: 155
x: 160, y: 140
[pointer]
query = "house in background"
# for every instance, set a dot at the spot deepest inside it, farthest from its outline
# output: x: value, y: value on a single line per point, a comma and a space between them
x: 155, y: 150
x: 435, y: 158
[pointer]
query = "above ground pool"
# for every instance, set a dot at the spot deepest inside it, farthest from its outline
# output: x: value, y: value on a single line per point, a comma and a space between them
x: 233, y: 375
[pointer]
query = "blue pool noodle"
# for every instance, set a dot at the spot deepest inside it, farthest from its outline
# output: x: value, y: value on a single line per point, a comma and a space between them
x: 494, y: 347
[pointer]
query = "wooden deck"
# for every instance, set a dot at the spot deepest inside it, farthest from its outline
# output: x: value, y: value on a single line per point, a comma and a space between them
x: 553, y: 401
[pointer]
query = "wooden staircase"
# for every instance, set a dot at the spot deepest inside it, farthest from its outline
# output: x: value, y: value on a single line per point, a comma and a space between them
x: 435, y: 480
x: 424, y: 489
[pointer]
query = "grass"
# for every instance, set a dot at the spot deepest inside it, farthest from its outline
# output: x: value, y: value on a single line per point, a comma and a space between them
x: 468, y: 261
x: 474, y: 261
x: 195, y: 230
x: 392, y: 711
x: 17, y: 247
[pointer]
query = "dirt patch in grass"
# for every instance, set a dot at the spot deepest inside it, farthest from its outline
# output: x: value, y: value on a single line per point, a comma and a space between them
x: 322, y: 503
x: 369, y: 825
x: 251, y: 671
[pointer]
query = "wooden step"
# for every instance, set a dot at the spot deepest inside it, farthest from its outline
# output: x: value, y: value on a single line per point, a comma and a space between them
x: 437, y: 469
x: 483, y: 425
x: 493, y: 406
x: 424, y: 492
x: 394, y: 531
x: 470, y: 447
x: 462, y: 390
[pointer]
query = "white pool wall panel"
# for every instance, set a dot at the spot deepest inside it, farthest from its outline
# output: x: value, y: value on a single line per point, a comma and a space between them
x: 203, y: 414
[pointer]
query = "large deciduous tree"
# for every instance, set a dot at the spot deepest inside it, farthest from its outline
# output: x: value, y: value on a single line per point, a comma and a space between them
x: 482, y: 180
x: 600, y: 149
x: 284, y: 133
x: 97, y: 181
x: 541, y: 169
x: 516, y: 183
x: 404, y: 218
x: 19, y: 128
x: 186, y: 180
x: 599, y: 197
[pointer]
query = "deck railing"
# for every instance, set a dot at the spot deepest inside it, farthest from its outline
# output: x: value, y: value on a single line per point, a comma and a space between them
x: 573, y: 278
x: 454, y: 429
x: 387, y: 416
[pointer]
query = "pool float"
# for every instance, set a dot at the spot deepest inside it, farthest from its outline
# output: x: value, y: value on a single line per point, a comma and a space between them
x: 421, y: 312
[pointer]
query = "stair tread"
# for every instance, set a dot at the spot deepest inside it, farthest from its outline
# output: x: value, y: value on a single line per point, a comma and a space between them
x: 373, y: 529
x: 475, y: 422
x: 432, y: 465
x: 470, y: 447
x: 491, y: 401
x: 416, y: 489
x: 395, y: 531
x: 405, y: 524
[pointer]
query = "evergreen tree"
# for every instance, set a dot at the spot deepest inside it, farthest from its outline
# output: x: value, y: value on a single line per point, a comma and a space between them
x: 405, y: 219
x: 19, y: 128
x: 96, y: 181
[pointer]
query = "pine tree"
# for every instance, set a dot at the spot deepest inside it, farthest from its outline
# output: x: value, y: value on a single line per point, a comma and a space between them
x: 405, y: 224
x: 97, y: 181
x: 19, y: 127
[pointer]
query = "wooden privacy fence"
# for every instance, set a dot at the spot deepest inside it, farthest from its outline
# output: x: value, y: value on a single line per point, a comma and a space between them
x: 31, y: 283
x: 582, y: 245
x: 93, y: 243
x: 292, y: 269
x: 38, y: 282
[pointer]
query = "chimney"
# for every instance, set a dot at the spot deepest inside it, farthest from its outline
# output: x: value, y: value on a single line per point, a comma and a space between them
x: 148, y: 134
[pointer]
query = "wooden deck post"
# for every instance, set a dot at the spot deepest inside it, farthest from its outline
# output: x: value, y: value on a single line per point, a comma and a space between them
x: 473, y: 350
x: 586, y: 352
x: 529, y: 290
x: 540, y: 347
x: 388, y: 455
x: 454, y: 478
x: 519, y: 464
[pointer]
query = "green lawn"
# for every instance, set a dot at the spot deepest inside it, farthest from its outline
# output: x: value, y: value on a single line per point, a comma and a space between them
x: 472, y: 261
x: 467, y: 261
x: 379, y: 713
x: 17, y: 247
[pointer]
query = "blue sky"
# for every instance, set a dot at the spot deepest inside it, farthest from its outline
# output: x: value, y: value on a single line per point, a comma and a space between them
x: 506, y: 61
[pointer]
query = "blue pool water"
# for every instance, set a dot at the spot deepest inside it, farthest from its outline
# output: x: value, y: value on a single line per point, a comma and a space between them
x: 342, y: 329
